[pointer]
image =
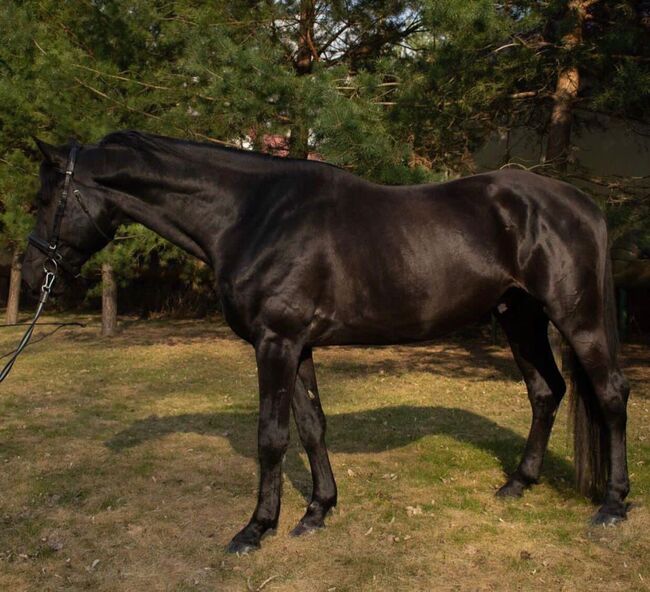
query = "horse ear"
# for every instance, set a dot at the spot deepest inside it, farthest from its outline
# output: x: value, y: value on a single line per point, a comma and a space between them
x: 53, y: 154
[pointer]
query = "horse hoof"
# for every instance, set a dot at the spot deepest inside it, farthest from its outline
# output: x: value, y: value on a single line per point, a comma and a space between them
x: 302, y: 529
x: 605, y: 519
x: 241, y: 547
x: 512, y: 489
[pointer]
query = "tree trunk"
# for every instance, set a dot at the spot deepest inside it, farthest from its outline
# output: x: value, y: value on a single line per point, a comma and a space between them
x: 306, y: 53
x: 13, y: 300
x: 558, y: 150
x: 567, y: 85
x: 305, y: 56
x: 109, y: 300
x: 558, y: 146
x: 299, y: 141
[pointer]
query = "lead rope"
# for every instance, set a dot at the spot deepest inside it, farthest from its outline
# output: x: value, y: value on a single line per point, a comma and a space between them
x: 46, y: 288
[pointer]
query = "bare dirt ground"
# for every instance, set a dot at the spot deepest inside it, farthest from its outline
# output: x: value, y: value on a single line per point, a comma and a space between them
x: 129, y: 463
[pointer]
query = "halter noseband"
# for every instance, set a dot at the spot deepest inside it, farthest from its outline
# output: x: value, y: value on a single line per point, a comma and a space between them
x: 51, y: 248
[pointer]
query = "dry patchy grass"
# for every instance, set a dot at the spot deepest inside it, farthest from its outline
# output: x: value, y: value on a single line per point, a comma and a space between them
x: 128, y: 463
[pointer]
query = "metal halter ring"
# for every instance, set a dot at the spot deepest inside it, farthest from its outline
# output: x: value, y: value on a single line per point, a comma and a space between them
x: 53, y: 266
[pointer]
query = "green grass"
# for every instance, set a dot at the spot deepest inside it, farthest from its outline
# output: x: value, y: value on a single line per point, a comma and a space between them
x: 128, y: 464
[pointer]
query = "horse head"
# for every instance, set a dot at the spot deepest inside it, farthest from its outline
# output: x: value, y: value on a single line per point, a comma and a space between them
x: 74, y: 220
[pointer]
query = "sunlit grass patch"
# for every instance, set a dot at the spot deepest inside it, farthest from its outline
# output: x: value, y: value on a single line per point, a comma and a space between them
x: 128, y: 463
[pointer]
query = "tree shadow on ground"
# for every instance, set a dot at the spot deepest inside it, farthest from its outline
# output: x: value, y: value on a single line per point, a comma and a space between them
x: 159, y: 332
x: 472, y: 360
x: 467, y: 353
x: 370, y: 431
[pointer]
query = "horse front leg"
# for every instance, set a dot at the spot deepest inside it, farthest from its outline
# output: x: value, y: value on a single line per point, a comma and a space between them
x: 310, y: 420
x: 277, y: 364
x: 526, y: 327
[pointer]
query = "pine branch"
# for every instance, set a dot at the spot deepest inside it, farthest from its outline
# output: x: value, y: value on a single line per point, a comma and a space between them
x: 117, y: 77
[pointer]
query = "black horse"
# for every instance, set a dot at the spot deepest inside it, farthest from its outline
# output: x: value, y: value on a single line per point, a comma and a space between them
x: 306, y: 254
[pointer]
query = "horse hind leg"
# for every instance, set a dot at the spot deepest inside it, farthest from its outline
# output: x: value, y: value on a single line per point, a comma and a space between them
x: 600, y: 393
x: 311, y: 424
x: 526, y: 326
x: 600, y: 397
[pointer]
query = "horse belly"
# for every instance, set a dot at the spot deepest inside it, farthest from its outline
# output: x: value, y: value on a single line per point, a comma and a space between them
x: 412, y: 304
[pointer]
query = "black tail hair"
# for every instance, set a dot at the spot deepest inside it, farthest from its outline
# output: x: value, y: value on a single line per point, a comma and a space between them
x: 590, y: 436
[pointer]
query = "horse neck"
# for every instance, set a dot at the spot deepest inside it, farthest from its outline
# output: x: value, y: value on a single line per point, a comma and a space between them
x: 189, y: 202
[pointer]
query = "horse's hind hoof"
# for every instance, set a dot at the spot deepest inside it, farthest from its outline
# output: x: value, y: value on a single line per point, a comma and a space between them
x: 512, y: 489
x: 303, y: 529
x: 605, y: 519
x: 241, y: 547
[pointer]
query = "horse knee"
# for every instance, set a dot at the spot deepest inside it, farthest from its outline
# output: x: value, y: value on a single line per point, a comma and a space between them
x: 311, y: 425
x: 621, y: 385
x: 272, y: 446
x: 312, y: 434
x: 614, y: 394
x: 545, y: 398
x: 613, y: 404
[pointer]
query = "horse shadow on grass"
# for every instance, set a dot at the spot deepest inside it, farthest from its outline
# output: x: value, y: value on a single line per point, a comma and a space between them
x: 369, y: 431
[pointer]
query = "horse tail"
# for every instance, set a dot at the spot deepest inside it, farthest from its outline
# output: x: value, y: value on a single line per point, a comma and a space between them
x: 589, y: 434
x: 589, y: 431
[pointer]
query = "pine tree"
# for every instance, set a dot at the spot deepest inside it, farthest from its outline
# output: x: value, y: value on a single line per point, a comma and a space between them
x: 394, y: 90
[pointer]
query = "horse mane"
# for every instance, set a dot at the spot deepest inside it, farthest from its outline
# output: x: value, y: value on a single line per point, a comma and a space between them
x: 154, y: 142
x: 48, y: 178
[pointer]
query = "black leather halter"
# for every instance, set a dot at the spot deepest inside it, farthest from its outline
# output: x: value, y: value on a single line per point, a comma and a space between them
x: 51, y: 248
x: 52, y: 263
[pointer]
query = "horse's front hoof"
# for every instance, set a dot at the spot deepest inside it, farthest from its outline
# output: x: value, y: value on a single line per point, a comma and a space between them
x: 606, y: 519
x: 302, y: 529
x: 512, y: 489
x: 242, y: 547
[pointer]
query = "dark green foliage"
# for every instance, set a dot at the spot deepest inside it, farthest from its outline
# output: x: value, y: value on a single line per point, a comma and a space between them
x: 397, y: 91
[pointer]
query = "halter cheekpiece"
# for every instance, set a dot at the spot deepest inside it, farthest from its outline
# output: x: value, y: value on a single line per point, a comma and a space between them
x: 50, y: 248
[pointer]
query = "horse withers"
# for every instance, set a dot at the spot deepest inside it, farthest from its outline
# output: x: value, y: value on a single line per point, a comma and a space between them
x: 306, y: 254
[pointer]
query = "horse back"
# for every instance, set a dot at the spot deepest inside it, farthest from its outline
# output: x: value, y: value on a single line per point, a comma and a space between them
x: 345, y: 261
